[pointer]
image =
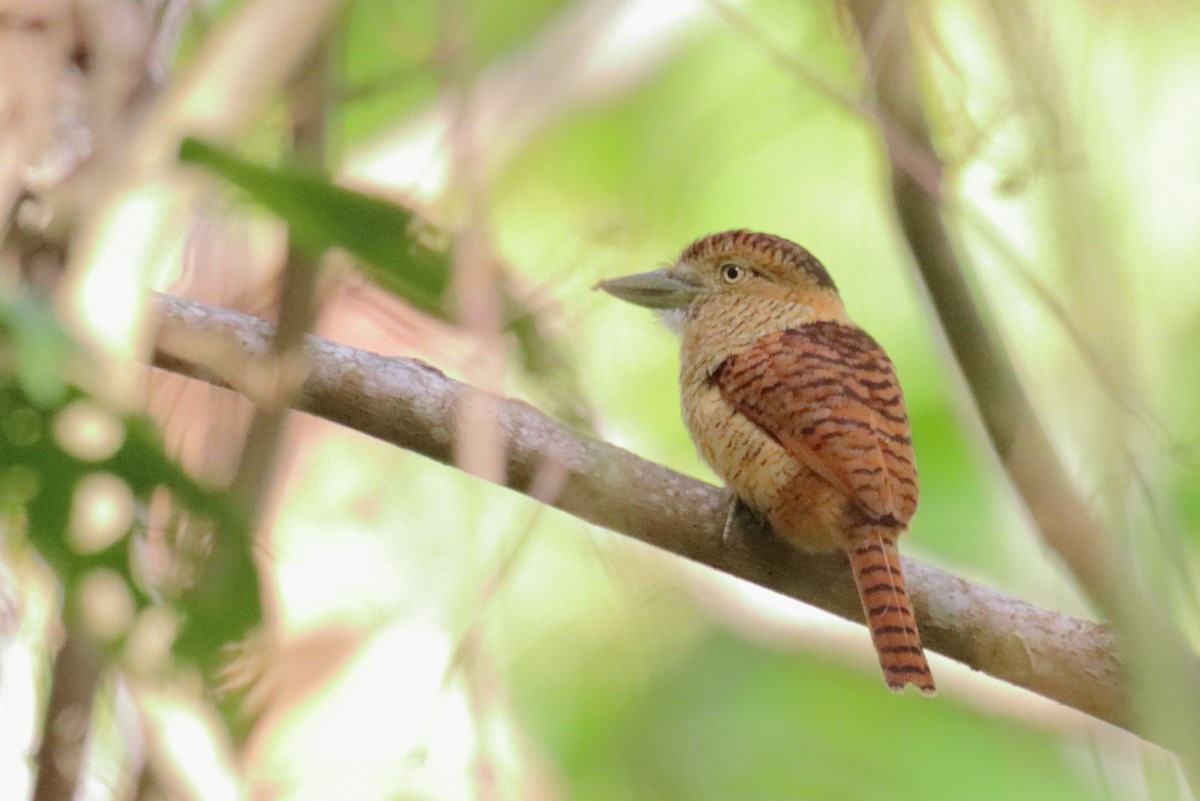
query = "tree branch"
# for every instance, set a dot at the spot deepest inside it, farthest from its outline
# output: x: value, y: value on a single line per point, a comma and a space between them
x: 412, y: 405
x: 1064, y: 519
x: 76, y: 675
x: 308, y: 108
x: 1158, y: 655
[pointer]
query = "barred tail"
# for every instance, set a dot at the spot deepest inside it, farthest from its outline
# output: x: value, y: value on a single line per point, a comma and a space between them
x: 875, y: 564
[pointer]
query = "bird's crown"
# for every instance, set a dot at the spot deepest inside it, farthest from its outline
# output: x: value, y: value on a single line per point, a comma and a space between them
x: 767, y: 251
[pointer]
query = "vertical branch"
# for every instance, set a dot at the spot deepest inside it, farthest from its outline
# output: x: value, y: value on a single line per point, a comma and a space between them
x: 479, y: 448
x: 1163, y: 663
x: 297, y: 313
x: 1066, y: 522
x: 297, y: 308
x: 68, y: 715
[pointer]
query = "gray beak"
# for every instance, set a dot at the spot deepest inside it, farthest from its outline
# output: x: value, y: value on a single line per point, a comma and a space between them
x: 661, y: 289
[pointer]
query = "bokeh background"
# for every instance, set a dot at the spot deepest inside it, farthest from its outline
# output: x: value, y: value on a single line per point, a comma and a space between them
x: 434, y: 637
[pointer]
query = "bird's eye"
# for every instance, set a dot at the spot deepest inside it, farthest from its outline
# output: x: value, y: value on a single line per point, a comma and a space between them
x: 732, y: 272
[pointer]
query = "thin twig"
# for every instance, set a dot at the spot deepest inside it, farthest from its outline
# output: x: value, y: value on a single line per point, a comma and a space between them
x: 297, y: 308
x: 265, y: 437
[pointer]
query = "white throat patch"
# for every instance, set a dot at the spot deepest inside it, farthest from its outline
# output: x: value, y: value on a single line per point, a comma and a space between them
x: 673, y: 319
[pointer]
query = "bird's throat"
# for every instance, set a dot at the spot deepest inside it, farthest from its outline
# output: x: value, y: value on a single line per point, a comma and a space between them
x: 673, y: 319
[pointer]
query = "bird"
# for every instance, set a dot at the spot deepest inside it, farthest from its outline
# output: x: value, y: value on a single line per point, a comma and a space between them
x: 799, y: 411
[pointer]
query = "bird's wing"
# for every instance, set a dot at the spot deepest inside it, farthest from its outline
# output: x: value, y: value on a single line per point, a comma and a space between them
x: 828, y: 393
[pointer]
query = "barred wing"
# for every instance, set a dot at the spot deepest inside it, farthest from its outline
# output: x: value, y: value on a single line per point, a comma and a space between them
x: 828, y: 393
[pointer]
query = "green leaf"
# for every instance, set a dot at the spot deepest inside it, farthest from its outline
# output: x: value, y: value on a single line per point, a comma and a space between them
x: 35, y: 348
x: 39, y: 481
x: 393, y: 247
x: 389, y: 239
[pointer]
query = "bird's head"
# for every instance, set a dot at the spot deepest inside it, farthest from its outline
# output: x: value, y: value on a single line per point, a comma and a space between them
x: 731, y: 274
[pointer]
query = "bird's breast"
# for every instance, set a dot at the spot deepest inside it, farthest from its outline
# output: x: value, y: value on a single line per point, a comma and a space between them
x: 801, y: 507
x: 754, y: 465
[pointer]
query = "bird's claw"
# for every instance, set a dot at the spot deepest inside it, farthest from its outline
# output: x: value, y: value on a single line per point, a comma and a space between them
x: 738, y: 518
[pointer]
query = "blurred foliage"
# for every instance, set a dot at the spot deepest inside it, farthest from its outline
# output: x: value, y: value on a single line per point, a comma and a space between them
x: 56, y: 438
x: 631, y: 674
x: 401, y: 254
x: 392, y: 51
x: 736, y: 721
x: 388, y: 239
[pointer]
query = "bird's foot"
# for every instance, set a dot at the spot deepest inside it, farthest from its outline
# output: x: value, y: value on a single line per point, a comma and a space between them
x: 739, y: 520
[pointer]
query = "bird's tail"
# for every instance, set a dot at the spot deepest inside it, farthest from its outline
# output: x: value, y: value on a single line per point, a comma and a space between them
x: 875, y: 565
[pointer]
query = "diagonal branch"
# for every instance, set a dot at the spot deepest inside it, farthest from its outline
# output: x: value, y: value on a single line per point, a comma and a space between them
x: 412, y: 405
x: 1066, y: 522
x: 1159, y: 656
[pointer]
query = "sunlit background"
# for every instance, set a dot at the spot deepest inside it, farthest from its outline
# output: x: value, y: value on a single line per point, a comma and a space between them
x: 435, y: 637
